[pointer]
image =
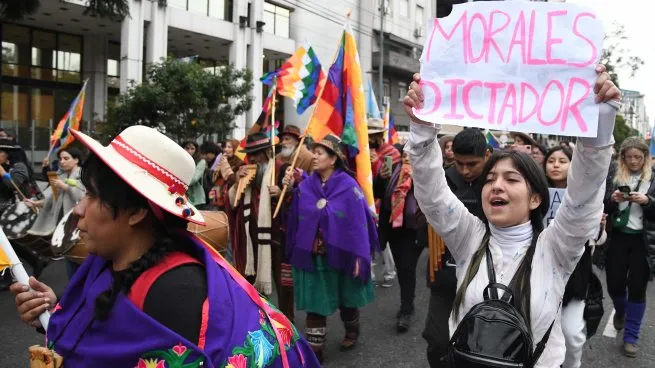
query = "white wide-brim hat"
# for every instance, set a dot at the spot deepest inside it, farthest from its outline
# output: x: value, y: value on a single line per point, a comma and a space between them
x: 153, y: 165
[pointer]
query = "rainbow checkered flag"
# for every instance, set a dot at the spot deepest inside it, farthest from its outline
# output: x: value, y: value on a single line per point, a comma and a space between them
x: 300, y: 78
x: 341, y: 110
x: 62, y: 136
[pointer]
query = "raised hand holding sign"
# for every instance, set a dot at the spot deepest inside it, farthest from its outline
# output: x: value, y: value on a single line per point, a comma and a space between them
x: 513, y: 66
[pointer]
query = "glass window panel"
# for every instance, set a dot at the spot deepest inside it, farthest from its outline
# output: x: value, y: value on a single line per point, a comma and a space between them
x: 43, y: 45
x: 282, y: 26
x: 180, y: 4
x: 69, y: 55
x: 217, y: 9
x: 419, y: 15
x: 282, y: 11
x: 403, y: 8
x: 269, y: 19
x: 198, y: 6
x: 14, y: 105
x: 63, y: 100
x: 269, y: 7
x: 15, y: 44
x: 69, y: 77
x: 43, y: 106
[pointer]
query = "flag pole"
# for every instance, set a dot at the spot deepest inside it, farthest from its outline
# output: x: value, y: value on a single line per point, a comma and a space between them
x: 293, y: 166
x: 273, y: 129
x: 19, y: 273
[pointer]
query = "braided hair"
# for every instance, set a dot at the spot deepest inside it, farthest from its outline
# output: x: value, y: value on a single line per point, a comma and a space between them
x: 114, y: 193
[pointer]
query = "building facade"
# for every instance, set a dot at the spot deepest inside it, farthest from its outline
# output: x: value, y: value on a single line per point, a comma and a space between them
x: 634, y: 111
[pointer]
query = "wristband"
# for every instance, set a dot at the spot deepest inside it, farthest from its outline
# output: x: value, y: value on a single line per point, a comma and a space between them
x: 71, y: 182
x: 6, y: 176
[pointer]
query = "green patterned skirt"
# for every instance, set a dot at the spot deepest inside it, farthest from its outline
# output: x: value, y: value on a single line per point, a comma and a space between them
x: 325, y: 289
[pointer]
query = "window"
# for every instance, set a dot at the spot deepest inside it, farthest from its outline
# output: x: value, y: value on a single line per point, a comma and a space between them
x: 402, y: 90
x: 113, y: 65
x: 198, y: 6
x: 15, y: 51
x: 44, y: 63
x: 276, y: 19
x: 403, y: 6
x: 69, y: 59
x: 420, y: 14
x: 221, y: 9
x: 386, y: 90
x: 180, y: 4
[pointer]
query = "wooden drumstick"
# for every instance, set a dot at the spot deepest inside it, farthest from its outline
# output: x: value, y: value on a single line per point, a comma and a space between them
x: 286, y: 186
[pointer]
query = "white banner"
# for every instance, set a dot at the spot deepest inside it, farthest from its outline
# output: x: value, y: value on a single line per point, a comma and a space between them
x: 556, y: 199
x: 517, y: 66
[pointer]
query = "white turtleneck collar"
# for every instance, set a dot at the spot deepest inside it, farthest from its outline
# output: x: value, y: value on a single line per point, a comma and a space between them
x: 512, y: 241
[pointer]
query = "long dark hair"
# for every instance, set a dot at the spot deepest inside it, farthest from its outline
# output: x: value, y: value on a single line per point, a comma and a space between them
x: 537, y: 184
x: 550, y: 152
x: 114, y: 193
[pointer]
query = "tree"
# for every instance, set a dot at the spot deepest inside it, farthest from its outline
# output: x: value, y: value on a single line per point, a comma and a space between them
x: 182, y: 100
x: 617, y: 57
x: 622, y: 130
x: 13, y: 10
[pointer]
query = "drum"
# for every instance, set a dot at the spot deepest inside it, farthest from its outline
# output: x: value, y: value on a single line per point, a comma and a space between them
x: 16, y: 220
x: 66, y: 239
x: 215, y: 232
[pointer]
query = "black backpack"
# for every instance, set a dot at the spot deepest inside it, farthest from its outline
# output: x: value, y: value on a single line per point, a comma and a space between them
x: 494, y: 333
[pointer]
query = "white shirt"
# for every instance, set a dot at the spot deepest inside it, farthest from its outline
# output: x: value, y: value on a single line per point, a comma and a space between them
x: 559, y: 246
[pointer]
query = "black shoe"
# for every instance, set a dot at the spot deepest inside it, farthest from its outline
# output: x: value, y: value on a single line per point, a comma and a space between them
x: 403, y: 322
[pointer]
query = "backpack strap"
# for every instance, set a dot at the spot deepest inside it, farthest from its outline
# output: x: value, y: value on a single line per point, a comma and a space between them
x: 491, y: 272
x: 144, y: 282
x: 541, y: 346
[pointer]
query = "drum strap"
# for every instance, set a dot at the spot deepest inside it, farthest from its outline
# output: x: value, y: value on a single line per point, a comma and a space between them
x: 145, y: 281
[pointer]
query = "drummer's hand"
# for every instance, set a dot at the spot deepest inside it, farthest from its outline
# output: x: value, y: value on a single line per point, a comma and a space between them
x: 32, y: 303
x: 60, y: 184
x: 414, y: 99
x: 274, y: 191
x: 30, y: 203
x: 605, y: 89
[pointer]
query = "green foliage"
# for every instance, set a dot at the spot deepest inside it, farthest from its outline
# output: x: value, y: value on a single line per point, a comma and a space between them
x: 182, y: 100
x: 13, y: 10
x: 622, y: 131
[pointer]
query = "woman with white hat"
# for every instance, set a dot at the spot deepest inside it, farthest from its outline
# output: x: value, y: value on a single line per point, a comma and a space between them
x: 151, y: 294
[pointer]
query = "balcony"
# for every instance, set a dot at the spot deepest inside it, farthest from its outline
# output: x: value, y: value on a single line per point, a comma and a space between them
x: 396, y: 62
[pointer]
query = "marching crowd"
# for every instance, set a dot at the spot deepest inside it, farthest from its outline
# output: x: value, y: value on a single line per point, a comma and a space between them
x: 497, y: 262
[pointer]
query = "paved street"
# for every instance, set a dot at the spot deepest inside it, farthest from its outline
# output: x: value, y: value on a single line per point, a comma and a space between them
x: 379, y: 346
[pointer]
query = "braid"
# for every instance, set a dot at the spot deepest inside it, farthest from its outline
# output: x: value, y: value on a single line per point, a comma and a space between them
x: 105, y: 301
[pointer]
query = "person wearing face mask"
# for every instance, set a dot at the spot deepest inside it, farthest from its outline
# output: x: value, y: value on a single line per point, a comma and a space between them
x: 257, y: 239
x: 289, y: 144
x: 574, y: 322
x: 70, y: 190
x: 508, y: 250
x: 630, y: 258
x: 331, y: 236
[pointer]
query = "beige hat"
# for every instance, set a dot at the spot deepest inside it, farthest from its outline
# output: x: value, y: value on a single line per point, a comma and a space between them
x: 153, y: 165
x: 375, y: 126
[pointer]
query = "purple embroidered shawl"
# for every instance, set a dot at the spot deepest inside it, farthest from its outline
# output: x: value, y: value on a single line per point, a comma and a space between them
x: 348, y: 229
x: 237, y: 333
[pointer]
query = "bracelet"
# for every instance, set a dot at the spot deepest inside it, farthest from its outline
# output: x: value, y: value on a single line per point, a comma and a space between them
x: 6, y: 176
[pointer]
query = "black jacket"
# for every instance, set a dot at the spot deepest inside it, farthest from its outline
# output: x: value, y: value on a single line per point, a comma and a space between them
x: 469, y: 195
x: 611, y: 208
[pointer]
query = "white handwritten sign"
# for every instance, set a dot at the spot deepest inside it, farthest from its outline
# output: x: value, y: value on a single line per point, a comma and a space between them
x: 518, y: 66
x: 556, y: 199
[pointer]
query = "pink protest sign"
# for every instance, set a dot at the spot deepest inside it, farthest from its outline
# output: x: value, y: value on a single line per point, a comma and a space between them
x: 519, y: 66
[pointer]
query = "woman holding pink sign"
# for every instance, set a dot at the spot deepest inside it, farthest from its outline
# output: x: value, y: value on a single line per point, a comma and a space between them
x: 511, y: 266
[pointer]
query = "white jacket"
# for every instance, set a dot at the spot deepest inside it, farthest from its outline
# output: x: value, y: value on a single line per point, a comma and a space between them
x: 559, y: 246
